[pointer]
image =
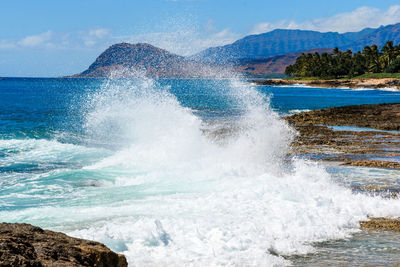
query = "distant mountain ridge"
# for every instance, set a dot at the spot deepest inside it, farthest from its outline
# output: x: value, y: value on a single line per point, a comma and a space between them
x: 379, y: 37
x: 255, y: 55
x: 280, y: 42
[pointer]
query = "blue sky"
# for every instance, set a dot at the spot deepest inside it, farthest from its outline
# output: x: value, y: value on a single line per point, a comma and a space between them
x: 44, y: 38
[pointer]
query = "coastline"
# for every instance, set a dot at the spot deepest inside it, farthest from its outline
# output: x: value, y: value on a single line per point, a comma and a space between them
x: 321, y: 139
x: 363, y: 136
x: 335, y: 83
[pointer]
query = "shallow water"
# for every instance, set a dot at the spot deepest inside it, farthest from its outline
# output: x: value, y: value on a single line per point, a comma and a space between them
x: 369, y: 248
x: 148, y: 168
x: 359, y: 129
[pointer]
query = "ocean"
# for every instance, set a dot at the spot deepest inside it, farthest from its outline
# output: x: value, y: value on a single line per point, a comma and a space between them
x: 186, y: 172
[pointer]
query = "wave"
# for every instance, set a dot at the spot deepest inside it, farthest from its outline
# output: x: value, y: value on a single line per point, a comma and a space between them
x: 177, y: 195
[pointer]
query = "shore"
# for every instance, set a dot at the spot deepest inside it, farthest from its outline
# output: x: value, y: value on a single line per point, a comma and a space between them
x: 345, y: 83
x: 366, y: 135
x: 375, y: 144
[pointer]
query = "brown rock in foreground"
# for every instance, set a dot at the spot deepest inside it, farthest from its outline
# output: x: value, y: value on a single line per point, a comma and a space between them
x: 381, y: 224
x: 28, y: 245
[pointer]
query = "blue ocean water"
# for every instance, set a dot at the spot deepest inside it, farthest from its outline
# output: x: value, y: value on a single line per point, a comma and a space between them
x: 131, y: 161
x: 38, y: 107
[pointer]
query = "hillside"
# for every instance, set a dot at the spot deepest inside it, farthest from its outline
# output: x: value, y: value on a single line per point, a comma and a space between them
x: 152, y: 60
x: 272, y: 65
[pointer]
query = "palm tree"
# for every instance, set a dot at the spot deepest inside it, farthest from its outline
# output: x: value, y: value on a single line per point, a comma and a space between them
x: 388, y: 53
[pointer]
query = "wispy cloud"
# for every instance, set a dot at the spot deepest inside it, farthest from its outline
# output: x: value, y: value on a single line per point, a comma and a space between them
x: 187, y: 40
x: 356, y: 20
x: 92, y: 37
x: 36, y: 40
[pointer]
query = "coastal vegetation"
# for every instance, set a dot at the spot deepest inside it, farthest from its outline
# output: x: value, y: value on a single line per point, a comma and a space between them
x: 370, y: 62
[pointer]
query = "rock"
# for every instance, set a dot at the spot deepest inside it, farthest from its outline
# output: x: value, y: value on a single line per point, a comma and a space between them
x: 378, y: 116
x: 354, y: 148
x: 373, y: 163
x: 381, y: 224
x: 274, y: 82
x: 28, y: 245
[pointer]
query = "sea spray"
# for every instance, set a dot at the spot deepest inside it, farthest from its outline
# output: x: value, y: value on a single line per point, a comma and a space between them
x: 168, y: 192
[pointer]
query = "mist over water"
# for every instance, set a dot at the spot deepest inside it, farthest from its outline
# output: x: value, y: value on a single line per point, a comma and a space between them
x: 167, y: 185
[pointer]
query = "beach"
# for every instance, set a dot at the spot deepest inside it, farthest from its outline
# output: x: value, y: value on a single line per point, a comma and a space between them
x: 386, y: 83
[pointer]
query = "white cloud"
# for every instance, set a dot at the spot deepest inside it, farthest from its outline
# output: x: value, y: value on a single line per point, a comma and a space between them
x: 5, y: 44
x: 99, y: 32
x: 356, y: 20
x: 71, y: 40
x: 189, y: 40
x: 93, y: 36
x: 36, y: 40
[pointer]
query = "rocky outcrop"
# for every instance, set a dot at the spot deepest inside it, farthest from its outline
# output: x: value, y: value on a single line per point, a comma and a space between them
x: 354, y: 148
x: 379, y: 116
x: 373, y: 163
x: 27, y: 245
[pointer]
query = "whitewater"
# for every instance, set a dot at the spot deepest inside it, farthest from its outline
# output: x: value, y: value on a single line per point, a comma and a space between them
x: 162, y: 184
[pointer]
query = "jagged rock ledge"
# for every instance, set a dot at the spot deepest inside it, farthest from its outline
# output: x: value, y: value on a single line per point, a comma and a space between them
x: 377, y: 116
x: 28, y: 245
x: 349, y: 83
x: 347, y: 147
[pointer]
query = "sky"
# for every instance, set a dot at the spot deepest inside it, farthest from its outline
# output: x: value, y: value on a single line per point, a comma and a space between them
x: 50, y: 38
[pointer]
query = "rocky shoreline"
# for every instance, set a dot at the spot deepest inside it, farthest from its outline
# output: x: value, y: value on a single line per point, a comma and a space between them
x: 28, y: 245
x: 366, y: 148
x: 345, y: 83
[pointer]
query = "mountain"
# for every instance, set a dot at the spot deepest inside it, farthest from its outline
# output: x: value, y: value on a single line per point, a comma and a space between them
x: 379, y: 37
x: 280, y: 42
x: 152, y: 60
x: 277, y: 42
x: 255, y: 55
x: 272, y: 65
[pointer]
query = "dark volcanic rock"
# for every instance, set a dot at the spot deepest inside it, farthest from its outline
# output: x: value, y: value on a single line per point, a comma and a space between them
x: 354, y: 148
x: 27, y: 245
x: 379, y: 116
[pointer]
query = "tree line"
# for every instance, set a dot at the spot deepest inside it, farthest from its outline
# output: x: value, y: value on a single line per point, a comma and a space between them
x: 347, y: 64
